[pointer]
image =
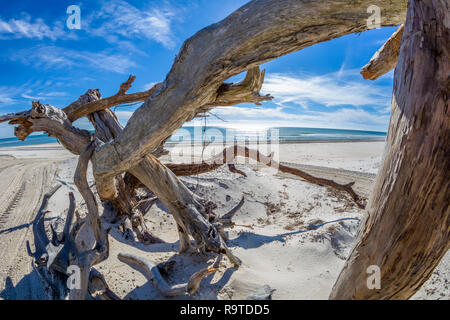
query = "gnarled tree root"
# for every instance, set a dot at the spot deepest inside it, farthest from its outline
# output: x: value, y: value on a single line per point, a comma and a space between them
x: 152, y: 273
x: 52, y: 257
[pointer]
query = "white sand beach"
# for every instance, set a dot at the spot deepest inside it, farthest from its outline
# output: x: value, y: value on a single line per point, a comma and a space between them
x: 291, y: 235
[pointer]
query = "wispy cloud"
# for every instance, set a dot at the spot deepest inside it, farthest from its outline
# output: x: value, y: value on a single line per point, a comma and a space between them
x: 148, y: 86
x: 343, y: 118
x: 116, y: 21
x: 25, y: 27
x: 120, y: 19
x: 123, y: 116
x: 5, y: 96
x: 44, y: 95
x: 335, y: 89
x: 244, y: 117
x: 12, y: 96
x: 350, y: 103
x: 58, y: 57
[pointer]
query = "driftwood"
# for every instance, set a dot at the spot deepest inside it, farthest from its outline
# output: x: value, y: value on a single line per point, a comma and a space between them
x: 40, y: 236
x: 54, y: 256
x: 85, y: 260
x: 385, y: 59
x: 192, y: 87
x: 229, y: 47
x: 152, y: 273
x: 187, y: 209
x: 98, y: 288
x: 85, y: 106
x: 51, y: 257
x: 407, y: 230
x: 127, y: 229
x: 229, y: 154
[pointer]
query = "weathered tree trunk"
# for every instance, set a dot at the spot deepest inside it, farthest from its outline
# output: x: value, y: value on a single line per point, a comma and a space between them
x: 121, y: 195
x: 407, y: 230
x: 189, y: 213
x: 258, y: 32
x: 87, y: 259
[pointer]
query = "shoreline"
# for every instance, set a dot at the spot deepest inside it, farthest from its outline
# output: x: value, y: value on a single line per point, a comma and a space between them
x: 197, y: 143
x: 362, y: 156
x: 279, y: 142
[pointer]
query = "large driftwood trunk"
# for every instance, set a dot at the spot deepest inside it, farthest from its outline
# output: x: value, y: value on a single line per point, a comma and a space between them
x: 407, y: 230
x: 260, y: 31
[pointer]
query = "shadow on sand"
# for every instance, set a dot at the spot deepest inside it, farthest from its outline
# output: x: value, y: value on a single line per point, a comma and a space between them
x: 250, y: 240
x: 28, y: 288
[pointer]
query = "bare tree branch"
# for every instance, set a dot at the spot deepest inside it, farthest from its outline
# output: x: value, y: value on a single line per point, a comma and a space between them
x: 82, y: 107
x: 385, y: 59
x: 52, y: 120
x: 40, y: 236
x: 152, y: 273
x: 85, y: 260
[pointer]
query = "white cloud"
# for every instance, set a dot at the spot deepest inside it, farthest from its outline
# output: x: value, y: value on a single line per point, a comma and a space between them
x: 123, y: 116
x: 119, y: 18
x: 148, y: 86
x: 343, y: 118
x: 334, y: 89
x: 345, y: 96
x: 11, y: 96
x: 57, y: 57
x: 26, y: 28
x: 43, y: 95
x: 257, y: 117
x: 6, y: 97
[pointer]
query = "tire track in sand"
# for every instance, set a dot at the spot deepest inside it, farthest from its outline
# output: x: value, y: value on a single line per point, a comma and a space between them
x: 22, y: 186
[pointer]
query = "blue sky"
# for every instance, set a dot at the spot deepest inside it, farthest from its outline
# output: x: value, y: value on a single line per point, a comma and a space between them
x: 41, y: 59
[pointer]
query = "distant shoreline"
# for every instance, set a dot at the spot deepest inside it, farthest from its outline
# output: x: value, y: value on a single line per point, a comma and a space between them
x: 280, y: 141
x: 199, y: 143
x: 194, y: 135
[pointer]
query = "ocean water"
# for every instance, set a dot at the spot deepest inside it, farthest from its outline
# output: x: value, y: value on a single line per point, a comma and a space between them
x: 31, y: 140
x: 220, y: 134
